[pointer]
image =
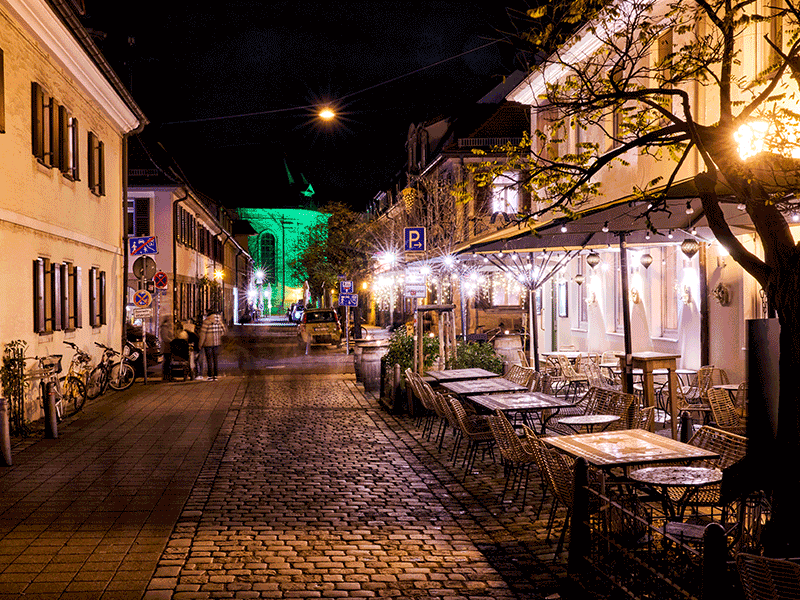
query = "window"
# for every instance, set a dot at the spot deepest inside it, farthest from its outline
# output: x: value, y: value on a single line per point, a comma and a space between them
x: 583, y: 307
x: 96, y: 156
x: 669, y: 300
x: 138, y: 217
x: 2, y: 95
x: 505, y: 196
x: 97, y: 297
x: 68, y: 143
x: 50, y: 301
x: 44, y: 123
x: 505, y: 290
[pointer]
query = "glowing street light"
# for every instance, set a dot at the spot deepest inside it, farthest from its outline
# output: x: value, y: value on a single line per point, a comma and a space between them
x: 327, y: 114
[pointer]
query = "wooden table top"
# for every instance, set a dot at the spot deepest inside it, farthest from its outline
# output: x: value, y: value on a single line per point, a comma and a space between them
x: 457, y: 374
x: 482, y: 386
x: 520, y: 401
x: 588, y: 419
x: 626, y: 447
x: 731, y: 387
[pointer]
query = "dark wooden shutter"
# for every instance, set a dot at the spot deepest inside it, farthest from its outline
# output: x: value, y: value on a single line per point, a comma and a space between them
x: 2, y: 95
x: 66, y: 293
x: 39, y: 325
x: 101, y: 283
x: 141, y: 224
x: 53, y: 151
x: 101, y: 169
x: 76, y: 297
x: 37, y: 120
x: 92, y: 162
x: 63, y: 140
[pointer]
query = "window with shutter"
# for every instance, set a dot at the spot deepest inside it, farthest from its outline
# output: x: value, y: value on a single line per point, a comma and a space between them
x: 55, y: 296
x: 93, y: 321
x: 141, y: 216
x: 39, y: 316
x: 67, y: 143
x: 96, y: 160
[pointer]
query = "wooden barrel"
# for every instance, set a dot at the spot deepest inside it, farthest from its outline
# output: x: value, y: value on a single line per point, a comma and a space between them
x: 371, y: 367
x: 358, y: 348
x: 508, y: 347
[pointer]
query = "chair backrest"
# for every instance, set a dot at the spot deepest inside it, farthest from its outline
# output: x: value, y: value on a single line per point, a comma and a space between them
x: 610, y: 402
x: 705, y: 379
x: 519, y: 374
x: 559, y: 468
x: 459, y: 414
x: 595, y: 377
x: 566, y: 368
x: 609, y: 356
x: 523, y: 359
x: 741, y: 396
x: 508, y: 441
x: 644, y: 417
x: 765, y: 578
x: 723, y: 411
x: 730, y: 446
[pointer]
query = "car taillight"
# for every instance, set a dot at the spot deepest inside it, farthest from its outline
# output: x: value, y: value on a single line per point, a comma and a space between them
x: 304, y: 318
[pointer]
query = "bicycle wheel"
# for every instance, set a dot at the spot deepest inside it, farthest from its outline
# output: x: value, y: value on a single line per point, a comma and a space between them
x: 122, y: 376
x: 74, y: 394
x: 97, y: 382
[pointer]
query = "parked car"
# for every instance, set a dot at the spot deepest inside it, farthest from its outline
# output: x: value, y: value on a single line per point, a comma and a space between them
x: 322, y: 325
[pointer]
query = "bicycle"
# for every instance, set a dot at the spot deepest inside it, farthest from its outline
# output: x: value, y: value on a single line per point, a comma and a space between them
x: 108, y: 373
x: 71, y: 394
x: 79, y: 369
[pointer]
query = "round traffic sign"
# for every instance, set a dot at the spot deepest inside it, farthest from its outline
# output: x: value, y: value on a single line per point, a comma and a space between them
x: 144, y: 267
x: 160, y: 280
x: 142, y: 298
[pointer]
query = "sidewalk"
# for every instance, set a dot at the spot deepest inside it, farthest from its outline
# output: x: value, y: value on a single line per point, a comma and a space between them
x: 271, y: 486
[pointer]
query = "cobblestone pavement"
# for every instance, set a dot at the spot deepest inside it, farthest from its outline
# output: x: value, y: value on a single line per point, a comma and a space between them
x: 311, y: 490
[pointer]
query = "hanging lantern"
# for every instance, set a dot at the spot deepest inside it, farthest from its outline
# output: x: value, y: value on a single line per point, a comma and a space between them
x: 579, y: 278
x: 646, y: 260
x: 689, y: 247
x: 593, y: 259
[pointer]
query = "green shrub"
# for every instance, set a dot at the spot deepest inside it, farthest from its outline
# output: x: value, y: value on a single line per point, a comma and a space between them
x: 473, y: 355
x: 401, y: 350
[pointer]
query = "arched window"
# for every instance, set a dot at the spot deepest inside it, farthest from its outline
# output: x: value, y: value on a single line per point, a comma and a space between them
x: 267, y: 248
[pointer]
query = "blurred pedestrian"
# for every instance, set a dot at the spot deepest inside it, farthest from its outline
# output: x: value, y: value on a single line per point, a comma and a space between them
x: 211, y: 332
x: 167, y: 333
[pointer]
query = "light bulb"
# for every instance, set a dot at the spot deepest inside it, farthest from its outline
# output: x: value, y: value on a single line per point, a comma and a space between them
x: 605, y: 227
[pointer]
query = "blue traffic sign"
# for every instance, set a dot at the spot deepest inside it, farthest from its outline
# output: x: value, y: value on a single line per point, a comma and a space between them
x: 142, y: 298
x: 348, y: 299
x: 345, y: 287
x: 142, y: 245
x: 414, y: 239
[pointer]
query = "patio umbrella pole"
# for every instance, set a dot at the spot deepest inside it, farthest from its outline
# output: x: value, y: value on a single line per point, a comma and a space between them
x: 626, y: 312
x: 533, y: 347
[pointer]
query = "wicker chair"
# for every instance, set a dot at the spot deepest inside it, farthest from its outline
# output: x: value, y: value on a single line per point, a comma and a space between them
x: 723, y: 412
x: 740, y: 399
x: 731, y: 449
x: 517, y: 458
x: 598, y: 401
x: 523, y: 359
x: 521, y: 375
x: 558, y: 469
x: 425, y: 393
x: 447, y: 419
x: 474, y: 429
x: 596, y: 377
x: 572, y: 379
x: 765, y: 578
x: 643, y: 417
x: 694, y: 398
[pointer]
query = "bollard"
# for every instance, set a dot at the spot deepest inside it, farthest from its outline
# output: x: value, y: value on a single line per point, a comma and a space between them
x: 5, y: 434
x: 686, y: 427
x: 50, y: 417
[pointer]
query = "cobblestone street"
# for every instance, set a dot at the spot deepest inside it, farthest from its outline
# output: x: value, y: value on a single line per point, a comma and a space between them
x: 288, y: 484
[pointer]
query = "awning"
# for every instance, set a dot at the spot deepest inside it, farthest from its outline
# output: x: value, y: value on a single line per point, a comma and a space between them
x: 619, y: 217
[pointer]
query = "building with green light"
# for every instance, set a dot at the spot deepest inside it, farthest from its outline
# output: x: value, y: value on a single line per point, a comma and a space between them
x: 280, y: 234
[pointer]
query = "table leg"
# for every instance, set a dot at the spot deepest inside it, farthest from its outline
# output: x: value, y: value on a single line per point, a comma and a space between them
x: 673, y: 403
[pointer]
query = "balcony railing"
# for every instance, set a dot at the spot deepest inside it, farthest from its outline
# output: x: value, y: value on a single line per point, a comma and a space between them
x: 487, y: 142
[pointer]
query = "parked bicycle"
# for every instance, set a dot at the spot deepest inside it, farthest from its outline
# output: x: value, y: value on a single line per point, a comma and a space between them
x: 118, y: 375
x: 79, y: 367
x: 68, y: 397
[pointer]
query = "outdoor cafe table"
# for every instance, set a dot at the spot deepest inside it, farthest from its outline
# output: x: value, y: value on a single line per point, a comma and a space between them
x: 460, y: 374
x: 482, y: 386
x: 575, y: 422
x: 523, y: 402
x: 626, y: 447
x: 690, y: 478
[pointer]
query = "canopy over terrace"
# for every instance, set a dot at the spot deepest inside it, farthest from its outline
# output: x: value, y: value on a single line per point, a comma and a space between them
x: 620, y: 223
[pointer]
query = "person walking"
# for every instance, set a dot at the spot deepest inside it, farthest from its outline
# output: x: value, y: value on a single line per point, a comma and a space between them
x: 167, y: 333
x: 211, y: 332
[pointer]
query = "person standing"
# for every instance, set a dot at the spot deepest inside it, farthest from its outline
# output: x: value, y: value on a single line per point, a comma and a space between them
x: 167, y: 333
x: 211, y: 332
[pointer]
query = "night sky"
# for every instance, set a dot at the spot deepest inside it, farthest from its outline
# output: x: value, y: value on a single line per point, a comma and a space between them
x: 242, y: 56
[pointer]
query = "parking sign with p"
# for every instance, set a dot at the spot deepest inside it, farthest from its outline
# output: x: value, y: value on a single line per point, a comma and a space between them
x: 414, y: 239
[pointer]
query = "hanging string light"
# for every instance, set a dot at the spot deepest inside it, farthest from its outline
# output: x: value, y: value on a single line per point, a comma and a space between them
x: 646, y: 260
x: 579, y: 278
x: 593, y: 259
x: 689, y: 247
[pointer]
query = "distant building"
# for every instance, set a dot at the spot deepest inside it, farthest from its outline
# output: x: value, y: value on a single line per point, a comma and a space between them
x: 64, y: 123
x: 280, y: 234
